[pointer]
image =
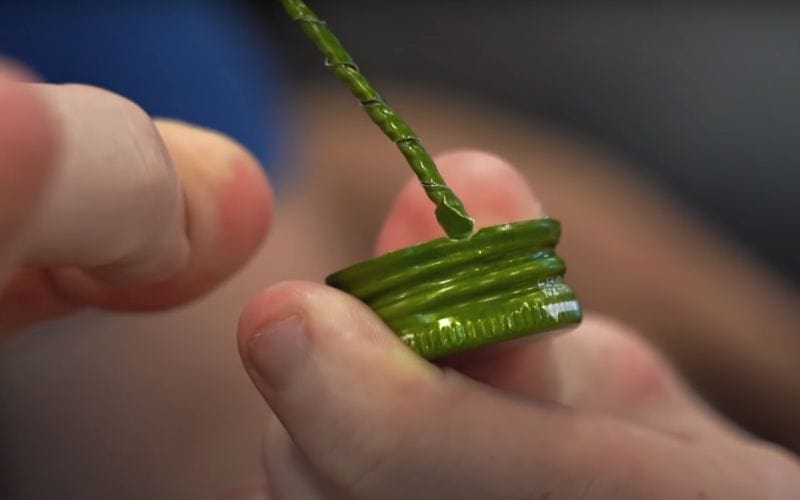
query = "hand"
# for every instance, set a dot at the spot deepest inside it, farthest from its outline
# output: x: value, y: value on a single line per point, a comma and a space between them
x: 100, y: 206
x: 591, y: 414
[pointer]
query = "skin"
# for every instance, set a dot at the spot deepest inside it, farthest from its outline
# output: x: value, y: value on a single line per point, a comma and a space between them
x: 633, y: 252
x: 192, y: 208
x: 596, y: 412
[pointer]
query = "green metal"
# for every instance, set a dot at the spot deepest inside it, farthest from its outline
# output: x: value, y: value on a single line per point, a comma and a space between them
x: 446, y: 296
x: 450, y: 211
x: 459, y: 292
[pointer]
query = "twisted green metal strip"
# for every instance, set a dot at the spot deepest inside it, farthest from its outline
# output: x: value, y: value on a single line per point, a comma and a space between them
x: 450, y: 211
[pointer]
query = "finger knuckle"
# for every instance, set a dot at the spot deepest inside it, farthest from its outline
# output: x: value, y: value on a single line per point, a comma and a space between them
x: 147, y: 186
x: 378, y: 441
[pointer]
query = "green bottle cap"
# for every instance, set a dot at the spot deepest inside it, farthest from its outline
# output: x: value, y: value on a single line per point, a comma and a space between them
x: 446, y: 295
x: 455, y: 293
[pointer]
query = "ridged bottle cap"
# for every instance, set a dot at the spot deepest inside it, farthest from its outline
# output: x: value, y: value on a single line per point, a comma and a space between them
x: 446, y: 296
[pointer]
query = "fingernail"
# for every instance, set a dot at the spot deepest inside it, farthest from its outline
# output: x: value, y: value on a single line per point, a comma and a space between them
x: 279, y: 351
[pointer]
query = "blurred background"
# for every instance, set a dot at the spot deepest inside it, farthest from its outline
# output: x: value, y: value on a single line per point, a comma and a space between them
x: 701, y: 97
x: 664, y: 136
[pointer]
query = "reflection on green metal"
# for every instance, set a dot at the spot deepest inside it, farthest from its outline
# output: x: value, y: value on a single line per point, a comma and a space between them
x: 446, y: 296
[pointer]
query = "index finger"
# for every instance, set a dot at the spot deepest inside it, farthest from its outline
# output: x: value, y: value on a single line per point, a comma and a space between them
x: 27, y: 148
x: 141, y: 215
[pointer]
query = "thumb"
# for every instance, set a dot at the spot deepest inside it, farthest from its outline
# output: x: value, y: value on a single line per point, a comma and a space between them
x: 330, y: 369
x: 366, y: 418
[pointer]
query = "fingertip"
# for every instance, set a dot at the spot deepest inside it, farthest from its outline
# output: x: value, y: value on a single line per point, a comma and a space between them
x: 276, y: 303
x: 219, y: 172
x: 336, y: 321
x: 294, y: 322
x: 492, y: 190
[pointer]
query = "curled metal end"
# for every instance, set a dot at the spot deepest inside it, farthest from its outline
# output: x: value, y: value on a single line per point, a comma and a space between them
x: 450, y: 211
x: 455, y: 220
